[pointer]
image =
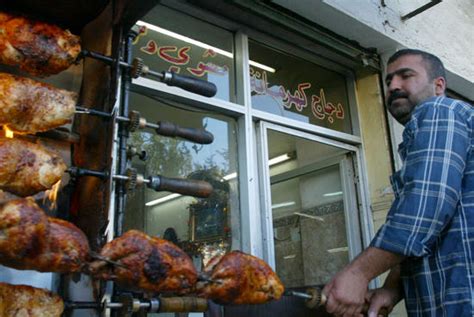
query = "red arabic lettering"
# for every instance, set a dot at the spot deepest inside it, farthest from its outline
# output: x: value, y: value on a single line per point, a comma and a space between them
x: 142, y: 31
x: 317, y: 108
x: 182, y: 59
x: 174, y: 69
x: 209, y: 53
x: 150, y: 47
x: 340, y: 111
x: 320, y: 108
x: 298, y: 99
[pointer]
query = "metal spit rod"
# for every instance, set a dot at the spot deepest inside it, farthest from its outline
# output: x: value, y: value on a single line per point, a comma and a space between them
x: 111, y: 305
x: 138, y: 69
x: 165, y: 128
x: 189, y: 187
x: 315, y: 298
x: 127, y: 305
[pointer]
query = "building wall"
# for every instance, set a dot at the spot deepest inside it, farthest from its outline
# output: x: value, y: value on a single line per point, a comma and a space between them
x: 445, y: 29
x: 376, y: 148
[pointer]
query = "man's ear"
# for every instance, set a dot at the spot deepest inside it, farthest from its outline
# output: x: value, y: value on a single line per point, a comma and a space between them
x: 440, y: 86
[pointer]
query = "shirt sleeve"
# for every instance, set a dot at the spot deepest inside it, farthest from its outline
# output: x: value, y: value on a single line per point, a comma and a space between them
x: 430, y: 181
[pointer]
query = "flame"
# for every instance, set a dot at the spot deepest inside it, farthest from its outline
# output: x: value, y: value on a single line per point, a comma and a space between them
x: 52, y: 195
x: 8, y: 132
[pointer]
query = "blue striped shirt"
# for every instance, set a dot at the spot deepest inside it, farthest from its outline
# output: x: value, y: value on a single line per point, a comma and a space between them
x: 431, y: 221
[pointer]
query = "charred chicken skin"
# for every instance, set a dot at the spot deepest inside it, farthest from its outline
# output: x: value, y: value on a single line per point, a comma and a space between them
x: 239, y: 278
x: 36, y: 47
x: 27, y: 301
x: 147, y: 263
x: 29, y: 240
x: 27, y: 168
x: 28, y: 106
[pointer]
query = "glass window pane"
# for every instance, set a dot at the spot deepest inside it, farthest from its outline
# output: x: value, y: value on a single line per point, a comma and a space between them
x: 195, y: 224
x: 171, y: 41
x: 309, y: 224
x: 291, y: 87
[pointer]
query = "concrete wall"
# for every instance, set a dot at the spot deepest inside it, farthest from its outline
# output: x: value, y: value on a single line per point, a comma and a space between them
x: 447, y: 29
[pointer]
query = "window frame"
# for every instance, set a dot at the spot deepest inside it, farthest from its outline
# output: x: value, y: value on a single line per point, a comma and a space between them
x: 248, y: 124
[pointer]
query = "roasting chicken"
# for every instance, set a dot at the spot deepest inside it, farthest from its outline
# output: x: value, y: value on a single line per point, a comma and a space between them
x: 29, y: 240
x: 239, y: 278
x: 28, y: 106
x: 147, y: 263
x: 36, y: 47
x: 27, y: 301
x: 27, y: 168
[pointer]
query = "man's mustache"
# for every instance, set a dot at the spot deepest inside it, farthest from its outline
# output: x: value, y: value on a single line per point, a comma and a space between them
x: 395, y: 95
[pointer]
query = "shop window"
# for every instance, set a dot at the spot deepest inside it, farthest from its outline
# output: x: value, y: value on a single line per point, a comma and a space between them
x: 201, y: 227
x: 171, y: 41
x: 291, y: 87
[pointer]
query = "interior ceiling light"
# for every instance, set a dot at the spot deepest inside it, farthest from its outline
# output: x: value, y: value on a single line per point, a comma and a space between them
x: 279, y: 159
x: 285, y: 204
x: 332, y: 194
x: 321, y: 219
x: 162, y: 200
x: 200, y: 44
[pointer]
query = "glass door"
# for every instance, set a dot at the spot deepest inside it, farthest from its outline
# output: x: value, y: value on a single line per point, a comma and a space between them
x: 310, y: 208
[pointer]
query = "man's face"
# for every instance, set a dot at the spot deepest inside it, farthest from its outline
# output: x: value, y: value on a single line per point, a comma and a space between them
x: 408, y: 85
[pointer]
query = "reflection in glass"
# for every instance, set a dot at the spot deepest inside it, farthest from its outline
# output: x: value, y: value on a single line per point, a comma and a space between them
x: 308, y: 212
x: 171, y: 41
x: 195, y: 223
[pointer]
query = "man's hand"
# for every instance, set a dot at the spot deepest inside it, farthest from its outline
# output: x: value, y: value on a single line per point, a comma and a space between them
x: 388, y: 295
x: 346, y: 292
x: 382, y: 297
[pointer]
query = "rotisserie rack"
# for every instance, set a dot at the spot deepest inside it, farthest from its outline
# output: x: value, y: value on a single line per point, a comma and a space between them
x: 32, y: 240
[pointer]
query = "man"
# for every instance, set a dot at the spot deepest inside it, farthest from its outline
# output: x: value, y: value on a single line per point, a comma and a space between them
x: 428, y: 239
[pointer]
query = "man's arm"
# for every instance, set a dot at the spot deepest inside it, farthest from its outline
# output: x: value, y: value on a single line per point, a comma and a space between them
x: 346, y: 291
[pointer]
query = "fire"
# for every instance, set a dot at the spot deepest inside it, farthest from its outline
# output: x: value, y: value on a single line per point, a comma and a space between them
x: 8, y: 132
x: 52, y: 195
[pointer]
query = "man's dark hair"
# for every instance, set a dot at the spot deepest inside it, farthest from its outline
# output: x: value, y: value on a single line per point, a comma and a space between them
x: 435, y: 67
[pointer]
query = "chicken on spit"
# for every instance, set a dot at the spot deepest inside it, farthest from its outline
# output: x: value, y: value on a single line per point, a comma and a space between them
x: 36, y: 47
x: 28, y: 106
x: 27, y: 168
x: 146, y: 263
x: 29, y: 240
x: 239, y: 278
x: 27, y: 301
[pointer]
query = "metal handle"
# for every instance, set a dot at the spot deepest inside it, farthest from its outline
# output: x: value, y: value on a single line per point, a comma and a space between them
x: 195, y: 85
x: 190, y: 187
x: 195, y: 135
x: 198, y: 86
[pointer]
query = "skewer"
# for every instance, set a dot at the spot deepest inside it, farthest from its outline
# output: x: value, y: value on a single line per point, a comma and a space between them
x: 138, y: 69
x: 298, y: 294
x: 133, y: 180
x: 135, y: 121
x: 101, y: 258
x: 315, y: 298
x: 127, y: 305
x: 207, y: 279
